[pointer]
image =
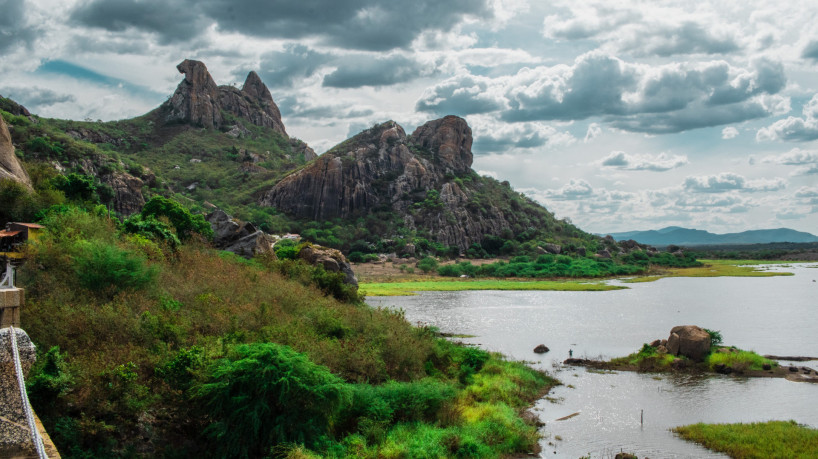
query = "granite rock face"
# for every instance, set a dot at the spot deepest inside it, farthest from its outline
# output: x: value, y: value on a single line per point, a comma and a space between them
x: 332, y: 260
x: 128, y: 198
x: 690, y: 341
x: 199, y: 101
x: 10, y: 167
x: 382, y: 167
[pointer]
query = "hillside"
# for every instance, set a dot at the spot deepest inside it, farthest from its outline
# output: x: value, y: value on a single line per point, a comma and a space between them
x: 380, y: 191
x: 674, y: 235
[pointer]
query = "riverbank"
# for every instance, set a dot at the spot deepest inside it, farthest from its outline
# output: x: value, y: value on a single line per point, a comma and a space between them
x: 392, y: 280
x: 757, y: 440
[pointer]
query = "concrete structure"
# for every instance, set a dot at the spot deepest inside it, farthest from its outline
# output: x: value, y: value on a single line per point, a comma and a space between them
x: 15, y: 235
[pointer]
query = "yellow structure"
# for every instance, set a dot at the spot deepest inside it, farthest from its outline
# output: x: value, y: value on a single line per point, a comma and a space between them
x: 15, y: 235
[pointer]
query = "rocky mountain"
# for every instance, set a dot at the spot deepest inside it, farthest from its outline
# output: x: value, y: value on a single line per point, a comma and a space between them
x: 692, y: 237
x: 424, y: 178
x: 10, y: 167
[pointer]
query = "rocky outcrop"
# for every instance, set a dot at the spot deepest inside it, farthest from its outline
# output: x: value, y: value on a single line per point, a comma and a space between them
x: 690, y: 341
x: 382, y: 167
x: 241, y: 238
x: 332, y: 260
x: 128, y: 198
x: 199, y: 101
x: 10, y: 167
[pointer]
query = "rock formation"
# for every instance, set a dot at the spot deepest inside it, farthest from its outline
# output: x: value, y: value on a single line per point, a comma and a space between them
x: 332, y: 260
x: 128, y: 198
x: 382, y: 167
x: 10, y: 167
x: 199, y: 101
x: 690, y: 341
x: 241, y: 238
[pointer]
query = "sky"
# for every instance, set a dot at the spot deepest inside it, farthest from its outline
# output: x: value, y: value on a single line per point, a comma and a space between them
x: 616, y: 115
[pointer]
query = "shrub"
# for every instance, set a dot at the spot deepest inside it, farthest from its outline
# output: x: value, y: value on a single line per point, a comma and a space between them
x: 181, y: 218
x: 104, y: 267
x: 151, y: 228
x: 265, y: 394
x: 427, y: 264
x: 287, y: 250
x: 715, y: 337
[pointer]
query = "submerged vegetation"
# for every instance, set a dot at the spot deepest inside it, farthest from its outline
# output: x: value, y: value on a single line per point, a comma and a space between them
x: 758, y: 440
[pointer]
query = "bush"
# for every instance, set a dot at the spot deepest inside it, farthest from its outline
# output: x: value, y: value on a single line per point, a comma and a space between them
x: 715, y: 337
x: 105, y: 267
x: 181, y: 218
x: 287, y: 250
x: 266, y: 394
x: 427, y: 264
x: 151, y: 228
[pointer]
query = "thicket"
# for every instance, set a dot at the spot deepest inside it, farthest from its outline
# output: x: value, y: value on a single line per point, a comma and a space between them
x: 178, y: 351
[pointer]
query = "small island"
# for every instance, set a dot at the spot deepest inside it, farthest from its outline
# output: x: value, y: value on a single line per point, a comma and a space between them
x: 693, y: 349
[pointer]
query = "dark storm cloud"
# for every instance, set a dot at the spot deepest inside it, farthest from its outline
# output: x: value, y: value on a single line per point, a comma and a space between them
x: 295, y: 63
x: 13, y: 28
x: 36, y: 98
x: 357, y: 71
x: 376, y: 25
x: 170, y: 20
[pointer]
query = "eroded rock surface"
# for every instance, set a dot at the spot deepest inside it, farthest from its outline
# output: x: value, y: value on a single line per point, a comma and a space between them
x: 690, y: 341
x: 10, y: 167
x: 332, y: 260
x: 241, y: 238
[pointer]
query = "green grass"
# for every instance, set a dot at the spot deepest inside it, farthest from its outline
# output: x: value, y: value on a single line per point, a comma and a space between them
x: 717, y: 268
x: 452, y: 285
x: 772, y: 439
x: 739, y: 360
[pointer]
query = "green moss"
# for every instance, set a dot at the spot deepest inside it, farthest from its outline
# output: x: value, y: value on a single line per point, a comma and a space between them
x: 758, y: 440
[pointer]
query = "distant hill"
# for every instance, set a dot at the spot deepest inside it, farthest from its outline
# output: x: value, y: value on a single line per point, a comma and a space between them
x: 692, y: 237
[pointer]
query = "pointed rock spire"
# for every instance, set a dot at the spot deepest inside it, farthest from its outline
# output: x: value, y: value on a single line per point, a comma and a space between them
x: 196, y: 99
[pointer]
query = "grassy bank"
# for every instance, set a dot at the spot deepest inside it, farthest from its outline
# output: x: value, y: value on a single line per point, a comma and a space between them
x: 153, y: 349
x: 737, y: 360
x: 452, y: 285
x: 716, y: 268
x: 755, y: 441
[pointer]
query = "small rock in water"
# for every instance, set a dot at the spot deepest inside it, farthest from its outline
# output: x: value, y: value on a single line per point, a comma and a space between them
x: 625, y: 456
x: 767, y: 367
x: 541, y: 349
x: 793, y: 369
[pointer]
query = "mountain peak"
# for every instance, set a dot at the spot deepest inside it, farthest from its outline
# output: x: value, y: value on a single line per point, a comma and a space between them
x: 199, y: 101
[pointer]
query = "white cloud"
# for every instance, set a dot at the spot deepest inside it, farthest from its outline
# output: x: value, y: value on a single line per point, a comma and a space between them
x: 658, y: 163
x: 593, y: 131
x: 793, y: 128
x: 729, y: 133
x: 729, y: 181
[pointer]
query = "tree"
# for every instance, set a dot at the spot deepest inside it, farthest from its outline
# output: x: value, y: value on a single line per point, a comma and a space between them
x: 181, y: 218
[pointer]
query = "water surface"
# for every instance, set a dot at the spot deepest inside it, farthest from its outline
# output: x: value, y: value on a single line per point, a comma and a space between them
x: 775, y: 315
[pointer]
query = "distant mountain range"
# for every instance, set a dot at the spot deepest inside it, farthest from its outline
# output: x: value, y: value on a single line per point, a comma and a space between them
x: 689, y: 237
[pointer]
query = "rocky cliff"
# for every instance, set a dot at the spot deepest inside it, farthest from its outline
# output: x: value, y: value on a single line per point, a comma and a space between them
x: 426, y: 178
x: 199, y: 101
x: 10, y: 167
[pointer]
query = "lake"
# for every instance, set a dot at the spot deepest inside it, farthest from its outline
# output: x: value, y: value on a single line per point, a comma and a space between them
x: 774, y: 315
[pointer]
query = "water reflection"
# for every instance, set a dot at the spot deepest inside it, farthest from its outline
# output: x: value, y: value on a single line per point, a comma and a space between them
x: 769, y: 315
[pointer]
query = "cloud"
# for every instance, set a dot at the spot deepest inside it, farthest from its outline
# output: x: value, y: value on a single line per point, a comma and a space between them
x: 644, y: 30
x: 811, y: 50
x: 794, y: 129
x: 574, y: 189
x: 729, y: 133
x: 361, y: 70
x: 806, y: 160
x: 36, y: 98
x: 170, y: 20
x: 659, y: 163
x: 635, y: 97
x: 294, y: 64
x: 14, y: 28
x: 728, y: 181
x: 293, y: 107
x: 593, y: 131
x: 493, y: 137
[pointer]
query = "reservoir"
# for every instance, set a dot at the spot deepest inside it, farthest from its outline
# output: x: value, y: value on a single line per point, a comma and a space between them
x: 773, y: 315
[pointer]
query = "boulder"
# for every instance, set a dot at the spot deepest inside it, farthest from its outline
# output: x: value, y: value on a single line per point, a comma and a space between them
x: 541, y: 349
x: 553, y: 248
x: 604, y: 253
x: 241, y: 238
x: 128, y: 198
x: 10, y: 167
x: 655, y: 343
x: 661, y: 349
x: 690, y: 341
x: 582, y: 251
x: 332, y: 260
x: 625, y: 456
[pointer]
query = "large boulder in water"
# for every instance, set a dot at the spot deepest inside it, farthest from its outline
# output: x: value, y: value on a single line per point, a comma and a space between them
x: 690, y: 341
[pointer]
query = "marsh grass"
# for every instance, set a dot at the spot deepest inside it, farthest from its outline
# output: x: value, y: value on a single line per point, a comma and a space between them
x: 785, y: 439
x: 739, y: 360
x: 450, y: 285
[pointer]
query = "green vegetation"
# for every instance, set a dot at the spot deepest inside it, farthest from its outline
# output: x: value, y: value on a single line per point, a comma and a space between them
x: 649, y: 359
x: 153, y: 349
x: 738, y: 360
x: 716, y: 268
x: 758, y: 440
x: 449, y: 285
